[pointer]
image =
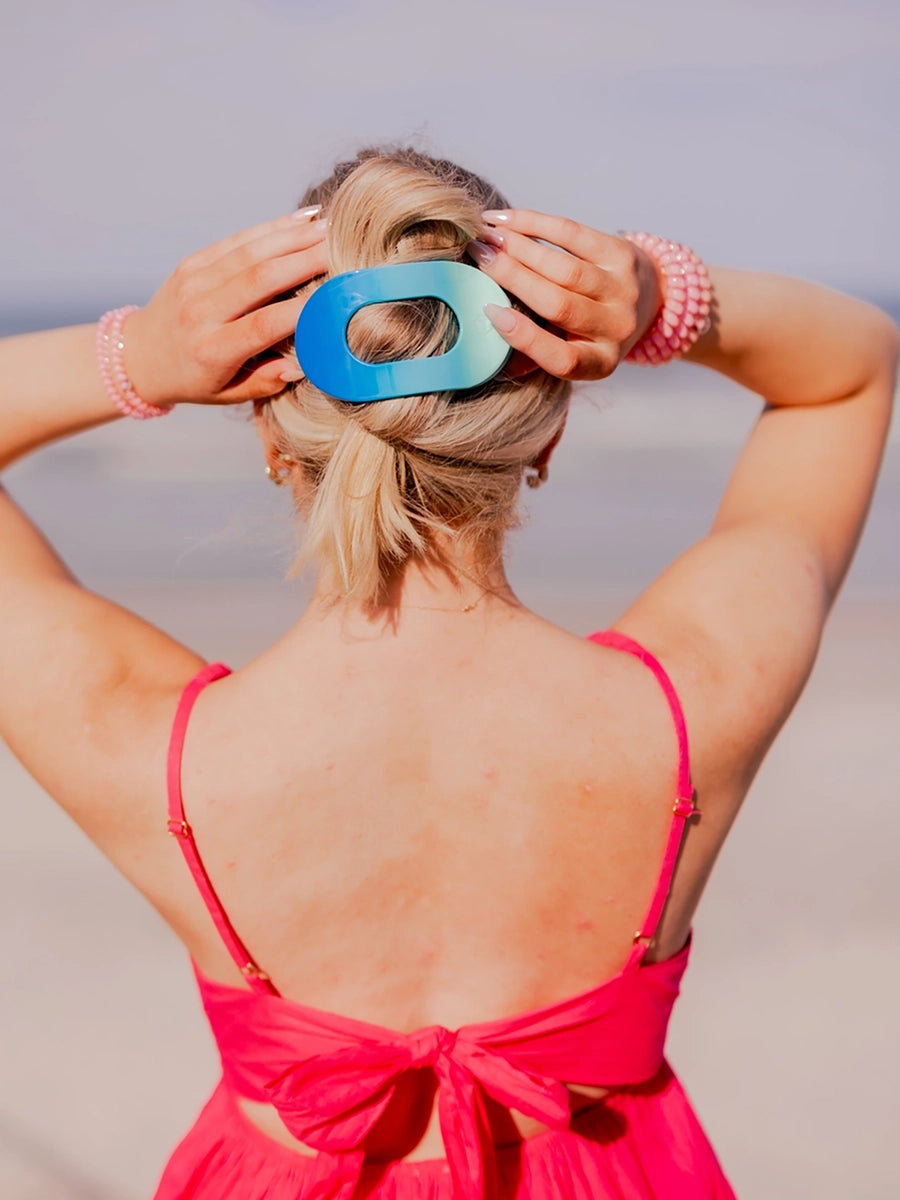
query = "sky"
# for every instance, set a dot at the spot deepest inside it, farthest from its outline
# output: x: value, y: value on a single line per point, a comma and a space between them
x: 762, y: 133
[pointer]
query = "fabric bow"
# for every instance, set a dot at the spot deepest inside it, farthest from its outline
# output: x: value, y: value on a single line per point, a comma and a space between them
x: 332, y: 1101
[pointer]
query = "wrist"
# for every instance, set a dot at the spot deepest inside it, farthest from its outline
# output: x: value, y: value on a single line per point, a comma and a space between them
x: 686, y: 294
x: 117, y: 381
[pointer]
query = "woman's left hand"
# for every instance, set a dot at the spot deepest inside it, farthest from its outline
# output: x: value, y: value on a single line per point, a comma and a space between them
x: 204, y: 337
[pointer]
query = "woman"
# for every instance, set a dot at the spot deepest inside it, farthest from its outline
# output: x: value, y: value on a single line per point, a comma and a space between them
x: 426, y: 809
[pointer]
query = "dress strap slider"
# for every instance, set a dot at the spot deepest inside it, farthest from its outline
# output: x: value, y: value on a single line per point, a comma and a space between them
x: 685, y: 807
x: 251, y: 971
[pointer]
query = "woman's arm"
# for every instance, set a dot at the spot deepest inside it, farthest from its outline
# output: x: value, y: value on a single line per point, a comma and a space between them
x: 191, y: 344
x: 802, y: 346
x: 738, y: 617
x: 49, y: 387
x: 79, y: 676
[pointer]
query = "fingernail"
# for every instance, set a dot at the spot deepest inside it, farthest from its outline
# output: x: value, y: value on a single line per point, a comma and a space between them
x: 502, y: 319
x: 483, y: 255
x: 321, y: 225
x: 291, y: 375
x: 494, y: 216
x: 493, y: 238
x: 304, y: 214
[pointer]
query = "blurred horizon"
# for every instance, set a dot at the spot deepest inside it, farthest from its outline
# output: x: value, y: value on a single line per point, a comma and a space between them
x: 31, y: 317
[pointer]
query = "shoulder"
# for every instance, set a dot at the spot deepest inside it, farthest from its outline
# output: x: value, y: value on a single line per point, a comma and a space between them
x: 734, y: 707
x: 88, y: 711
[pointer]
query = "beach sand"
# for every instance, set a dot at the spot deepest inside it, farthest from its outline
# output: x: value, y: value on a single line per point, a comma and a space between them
x: 786, y: 1034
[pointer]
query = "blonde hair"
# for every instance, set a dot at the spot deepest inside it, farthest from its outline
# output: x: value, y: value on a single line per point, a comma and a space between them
x: 379, y: 481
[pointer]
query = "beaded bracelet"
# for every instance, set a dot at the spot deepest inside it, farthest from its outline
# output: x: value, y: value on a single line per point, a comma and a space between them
x: 686, y: 294
x: 111, y: 362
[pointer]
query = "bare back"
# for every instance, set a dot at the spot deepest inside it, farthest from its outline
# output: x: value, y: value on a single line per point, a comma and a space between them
x: 440, y: 825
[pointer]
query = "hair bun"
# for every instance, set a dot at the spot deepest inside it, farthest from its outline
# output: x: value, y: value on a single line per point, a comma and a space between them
x: 385, y: 482
x: 391, y: 212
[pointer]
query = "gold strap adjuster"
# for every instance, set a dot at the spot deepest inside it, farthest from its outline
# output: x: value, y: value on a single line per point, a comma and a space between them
x: 179, y: 829
x: 685, y: 807
x: 251, y: 971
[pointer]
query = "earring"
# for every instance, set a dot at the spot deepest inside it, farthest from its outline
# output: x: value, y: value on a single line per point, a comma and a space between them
x: 279, y: 478
x: 536, y: 477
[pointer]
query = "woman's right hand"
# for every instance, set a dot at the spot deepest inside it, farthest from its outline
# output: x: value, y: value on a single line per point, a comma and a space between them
x: 206, y: 336
x: 601, y: 293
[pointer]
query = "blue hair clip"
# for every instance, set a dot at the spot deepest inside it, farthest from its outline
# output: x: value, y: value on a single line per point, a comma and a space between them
x: 327, y: 361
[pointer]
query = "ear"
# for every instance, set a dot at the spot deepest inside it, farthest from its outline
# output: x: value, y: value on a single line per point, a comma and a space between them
x: 265, y: 435
x: 543, y: 459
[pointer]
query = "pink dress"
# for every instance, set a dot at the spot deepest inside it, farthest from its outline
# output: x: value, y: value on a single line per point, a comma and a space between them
x: 332, y: 1079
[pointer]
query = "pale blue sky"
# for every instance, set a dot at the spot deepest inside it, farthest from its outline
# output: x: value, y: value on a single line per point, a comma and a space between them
x: 764, y: 134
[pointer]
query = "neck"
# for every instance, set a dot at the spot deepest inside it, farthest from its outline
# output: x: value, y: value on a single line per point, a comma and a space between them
x: 456, y: 589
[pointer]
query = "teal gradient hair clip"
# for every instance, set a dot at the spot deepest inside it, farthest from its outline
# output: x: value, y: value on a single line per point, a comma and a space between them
x: 329, y: 364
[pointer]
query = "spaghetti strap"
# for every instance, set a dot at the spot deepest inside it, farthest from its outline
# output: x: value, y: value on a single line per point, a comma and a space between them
x: 683, y: 807
x: 183, y: 834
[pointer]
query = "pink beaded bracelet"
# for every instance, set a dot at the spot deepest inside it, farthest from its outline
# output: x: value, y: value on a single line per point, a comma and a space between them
x: 686, y: 294
x: 111, y: 362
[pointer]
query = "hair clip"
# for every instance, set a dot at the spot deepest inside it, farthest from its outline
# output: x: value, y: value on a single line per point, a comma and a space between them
x: 321, y: 336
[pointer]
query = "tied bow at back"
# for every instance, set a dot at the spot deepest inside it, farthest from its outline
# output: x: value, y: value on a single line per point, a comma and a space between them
x: 332, y: 1101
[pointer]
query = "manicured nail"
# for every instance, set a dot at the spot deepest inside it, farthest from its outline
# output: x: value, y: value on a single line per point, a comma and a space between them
x: 291, y: 375
x: 483, y: 255
x: 304, y: 214
x: 494, y: 216
x: 493, y: 238
x: 502, y: 319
